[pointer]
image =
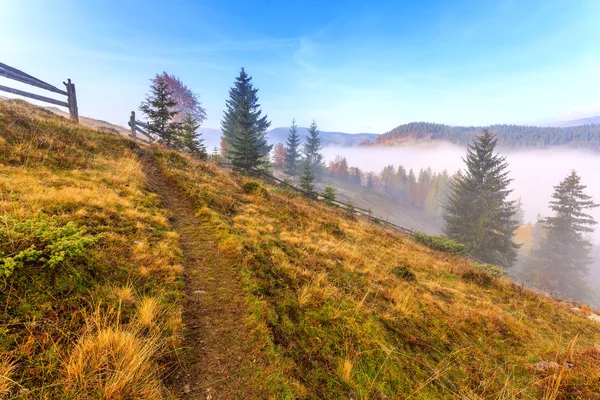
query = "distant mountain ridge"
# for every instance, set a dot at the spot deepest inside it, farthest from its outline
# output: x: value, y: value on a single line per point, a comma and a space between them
x: 340, y: 139
x: 513, y: 136
x: 577, y: 122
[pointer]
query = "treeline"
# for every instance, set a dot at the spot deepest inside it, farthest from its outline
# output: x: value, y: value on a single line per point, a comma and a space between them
x: 425, y: 190
x: 582, y: 136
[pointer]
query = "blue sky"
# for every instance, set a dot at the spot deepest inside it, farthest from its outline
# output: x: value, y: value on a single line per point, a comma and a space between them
x: 354, y: 66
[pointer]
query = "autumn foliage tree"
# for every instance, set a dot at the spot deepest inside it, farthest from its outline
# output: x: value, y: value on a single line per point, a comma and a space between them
x: 338, y: 168
x: 279, y: 155
x: 187, y: 102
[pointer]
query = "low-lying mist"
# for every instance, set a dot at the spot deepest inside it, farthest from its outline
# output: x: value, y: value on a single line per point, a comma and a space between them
x: 535, y: 172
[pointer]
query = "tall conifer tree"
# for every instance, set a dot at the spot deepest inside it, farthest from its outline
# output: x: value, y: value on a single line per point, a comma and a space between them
x: 243, y: 127
x: 478, y: 213
x: 292, y: 153
x: 312, y: 150
x: 191, y: 138
x: 159, y: 108
x: 560, y: 263
x: 307, y: 178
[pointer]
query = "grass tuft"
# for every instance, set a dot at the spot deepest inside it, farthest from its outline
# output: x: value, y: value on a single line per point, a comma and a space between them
x: 7, y: 368
x: 148, y: 311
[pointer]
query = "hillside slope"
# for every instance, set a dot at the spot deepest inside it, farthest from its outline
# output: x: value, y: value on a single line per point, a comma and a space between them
x: 351, y: 310
x: 89, y: 265
x: 313, y: 302
x: 397, y: 212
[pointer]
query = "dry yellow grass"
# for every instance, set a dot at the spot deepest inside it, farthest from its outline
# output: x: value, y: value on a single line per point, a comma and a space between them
x: 322, y: 290
x: 125, y: 293
x: 113, y: 363
x: 7, y: 368
x: 148, y: 311
x: 52, y: 174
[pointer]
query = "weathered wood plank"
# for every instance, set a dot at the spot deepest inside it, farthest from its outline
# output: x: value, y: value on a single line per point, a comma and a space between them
x: 142, y: 124
x: 34, y: 96
x: 72, y: 99
x: 30, y: 81
x: 141, y: 130
x: 132, y: 124
x: 16, y: 71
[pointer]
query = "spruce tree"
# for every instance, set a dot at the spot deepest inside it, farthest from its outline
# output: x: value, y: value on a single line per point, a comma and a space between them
x: 191, y: 138
x: 478, y: 213
x: 355, y: 177
x: 312, y: 149
x: 370, y: 182
x: 216, y: 156
x: 159, y: 109
x: 307, y: 178
x: 560, y: 263
x: 243, y: 127
x: 329, y: 194
x: 292, y: 153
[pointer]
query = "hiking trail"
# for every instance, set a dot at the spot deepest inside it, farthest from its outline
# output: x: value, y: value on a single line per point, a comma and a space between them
x: 213, y: 360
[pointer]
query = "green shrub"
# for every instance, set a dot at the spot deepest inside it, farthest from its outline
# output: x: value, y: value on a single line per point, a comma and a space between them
x: 480, y: 278
x: 491, y: 269
x: 440, y: 243
x: 252, y: 187
x: 403, y: 272
x: 39, y: 242
x: 334, y: 229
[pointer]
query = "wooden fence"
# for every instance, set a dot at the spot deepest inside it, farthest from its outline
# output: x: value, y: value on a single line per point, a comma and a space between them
x: 320, y: 197
x: 20, y: 76
x: 138, y: 126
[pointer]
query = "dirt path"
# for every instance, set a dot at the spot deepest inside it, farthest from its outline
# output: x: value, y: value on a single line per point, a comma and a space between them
x: 213, y: 361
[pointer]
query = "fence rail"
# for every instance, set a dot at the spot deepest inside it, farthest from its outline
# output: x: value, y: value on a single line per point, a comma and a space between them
x: 319, y: 196
x: 20, y: 76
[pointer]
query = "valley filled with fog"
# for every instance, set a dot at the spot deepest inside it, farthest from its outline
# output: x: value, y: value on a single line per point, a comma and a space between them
x: 534, y: 172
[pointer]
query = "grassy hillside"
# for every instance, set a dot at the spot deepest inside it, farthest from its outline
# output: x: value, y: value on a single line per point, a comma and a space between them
x: 335, y: 307
x: 354, y: 311
x: 89, y: 270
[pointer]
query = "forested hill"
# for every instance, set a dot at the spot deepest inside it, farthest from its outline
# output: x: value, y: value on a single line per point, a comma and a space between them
x: 583, y: 136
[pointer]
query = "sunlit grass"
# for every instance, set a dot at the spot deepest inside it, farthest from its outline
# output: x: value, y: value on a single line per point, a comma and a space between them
x: 323, y: 292
x: 51, y: 343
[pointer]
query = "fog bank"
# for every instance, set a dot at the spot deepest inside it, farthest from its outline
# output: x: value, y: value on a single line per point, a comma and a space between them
x: 535, y: 172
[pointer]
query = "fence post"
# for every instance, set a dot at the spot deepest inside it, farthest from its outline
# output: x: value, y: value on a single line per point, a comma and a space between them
x: 132, y: 124
x: 72, y: 100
